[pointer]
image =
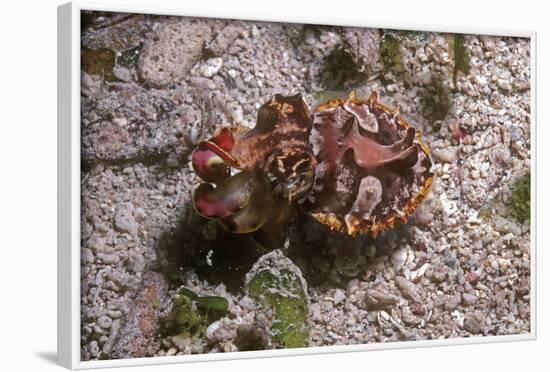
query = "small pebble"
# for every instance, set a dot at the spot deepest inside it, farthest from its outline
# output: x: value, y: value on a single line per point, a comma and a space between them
x: 469, y: 299
x: 339, y: 296
x: 211, y: 67
x: 408, y: 289
x: 104, y: 322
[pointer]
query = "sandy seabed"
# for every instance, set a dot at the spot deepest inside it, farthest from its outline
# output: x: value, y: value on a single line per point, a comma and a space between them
x: 153, y: 86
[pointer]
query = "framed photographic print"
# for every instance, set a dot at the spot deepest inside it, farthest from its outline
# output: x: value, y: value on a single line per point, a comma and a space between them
x: 254, y: 187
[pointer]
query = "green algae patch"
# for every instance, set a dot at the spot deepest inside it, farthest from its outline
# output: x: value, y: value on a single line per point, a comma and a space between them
x: 279, y: 290
x: 520, y: 199
x: 184, y: 318
x: 460, y: 54
x: 390, y: 53
x: 191, y: 314
x: 129, y: 57
x: 98, y: 62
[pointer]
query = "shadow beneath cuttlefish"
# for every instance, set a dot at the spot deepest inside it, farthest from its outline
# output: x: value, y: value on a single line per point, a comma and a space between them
x: 326, y: 258
x: 331, y: 259
x: 205, y: 248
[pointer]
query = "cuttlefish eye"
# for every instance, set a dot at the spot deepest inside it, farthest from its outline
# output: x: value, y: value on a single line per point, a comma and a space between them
x: 291, y: 172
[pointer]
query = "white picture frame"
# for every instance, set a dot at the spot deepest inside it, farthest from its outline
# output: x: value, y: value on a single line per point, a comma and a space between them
x: 69, y: 188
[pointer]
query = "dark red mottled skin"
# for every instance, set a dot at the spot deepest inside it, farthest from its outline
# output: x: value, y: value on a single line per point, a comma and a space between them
x: 276, y: 151
x: 354, y: 165
x: 363, y: 150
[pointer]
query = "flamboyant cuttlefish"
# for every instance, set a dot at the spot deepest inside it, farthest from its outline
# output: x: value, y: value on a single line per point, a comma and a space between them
x: 354, y: 165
